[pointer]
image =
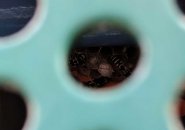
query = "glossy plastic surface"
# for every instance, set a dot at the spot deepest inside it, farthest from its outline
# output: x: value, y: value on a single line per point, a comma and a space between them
x: 36, y: 58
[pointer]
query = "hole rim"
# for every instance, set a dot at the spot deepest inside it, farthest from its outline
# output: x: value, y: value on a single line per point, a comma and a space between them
x: 28, y: 30
x: 133, y: 82
x: 32, y: 111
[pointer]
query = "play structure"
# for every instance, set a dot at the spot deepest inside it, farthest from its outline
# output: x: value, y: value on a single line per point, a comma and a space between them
x: 42, y: 62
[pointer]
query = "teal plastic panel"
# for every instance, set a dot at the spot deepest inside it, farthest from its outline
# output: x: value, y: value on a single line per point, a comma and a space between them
x: 36, y: 58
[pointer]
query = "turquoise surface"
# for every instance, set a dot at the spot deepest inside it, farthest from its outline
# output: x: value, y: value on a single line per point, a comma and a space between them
x: 36, y: 59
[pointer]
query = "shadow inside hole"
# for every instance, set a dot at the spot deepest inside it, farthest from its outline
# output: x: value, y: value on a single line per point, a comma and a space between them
x: 13, y: 111
x: 103, y: 55
x: 181, y: 106
x: 14, y: 15
x: 181, y: 4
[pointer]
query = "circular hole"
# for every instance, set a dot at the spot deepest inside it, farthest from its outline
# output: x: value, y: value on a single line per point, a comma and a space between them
x: 181, y: 4
x: 103, y: 55
x: 14, y: 15
x: 13, y: 111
